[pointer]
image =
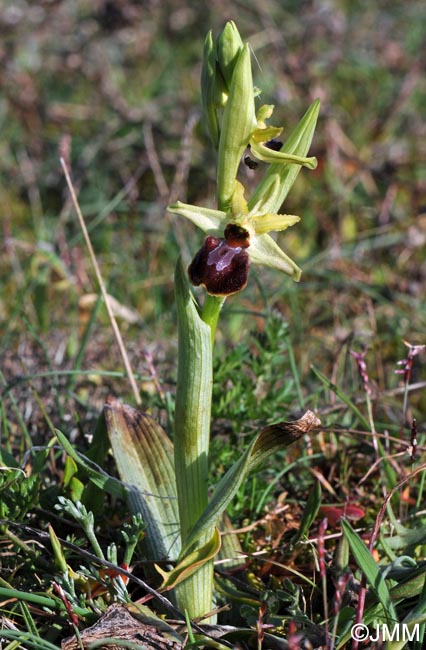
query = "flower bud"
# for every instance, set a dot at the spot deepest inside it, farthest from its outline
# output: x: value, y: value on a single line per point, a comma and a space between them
x: 229, y: 44
x: 239, y: 122
x: 213, y: 89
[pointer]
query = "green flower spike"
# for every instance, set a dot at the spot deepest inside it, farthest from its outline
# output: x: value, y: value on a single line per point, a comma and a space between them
x: 229, y: 45
x: 238, y: 124
x: 229, y: 108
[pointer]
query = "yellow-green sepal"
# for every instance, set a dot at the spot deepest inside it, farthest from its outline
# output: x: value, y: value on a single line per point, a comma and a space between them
x: 210, y: 221
x: 265, y: 251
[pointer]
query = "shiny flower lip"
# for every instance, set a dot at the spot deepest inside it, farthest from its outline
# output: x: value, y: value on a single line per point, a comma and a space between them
x: 222, y: 264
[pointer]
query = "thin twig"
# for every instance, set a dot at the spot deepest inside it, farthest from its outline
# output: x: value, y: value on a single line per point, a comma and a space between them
x: 178, y: 188
x: 102, y: 287
x: 154, y: 161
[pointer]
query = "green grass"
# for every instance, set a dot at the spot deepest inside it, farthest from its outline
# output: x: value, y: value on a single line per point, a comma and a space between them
x: 101, y: 75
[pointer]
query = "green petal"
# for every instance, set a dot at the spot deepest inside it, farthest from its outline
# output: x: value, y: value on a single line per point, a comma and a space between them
x: 264, y: 223
x: 238, y: 203
x: 270, y: 156
x: 266, y: 134
x: 264, y: 112
x: 265, y: 251
x: 210, y: 221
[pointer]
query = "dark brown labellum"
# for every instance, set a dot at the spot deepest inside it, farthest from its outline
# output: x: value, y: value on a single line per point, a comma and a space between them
x: 274, y: 144
x: 222, y: 266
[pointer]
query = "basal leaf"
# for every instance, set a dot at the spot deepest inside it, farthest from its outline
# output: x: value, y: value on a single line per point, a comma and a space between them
x: 144, y: 456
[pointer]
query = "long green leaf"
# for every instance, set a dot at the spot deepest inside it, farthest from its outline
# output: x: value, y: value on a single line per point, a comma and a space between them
x: 310, y: 512
x: 28, y: 639
x: 341, y: 395
x: 370, y: 569
x: 100, y: 478
x: 411, y: 586
x: 144, y: 456
x: 270, y: 439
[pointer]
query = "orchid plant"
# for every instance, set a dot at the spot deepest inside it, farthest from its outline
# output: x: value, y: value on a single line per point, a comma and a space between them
x: 168, y: 482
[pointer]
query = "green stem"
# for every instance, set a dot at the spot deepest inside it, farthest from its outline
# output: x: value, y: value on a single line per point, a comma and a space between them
x: 211, y: 312
x: 192, y: 432
x: 193, y: 407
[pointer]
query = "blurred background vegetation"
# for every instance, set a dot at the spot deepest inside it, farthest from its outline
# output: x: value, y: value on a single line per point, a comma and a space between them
x: 113, y: 87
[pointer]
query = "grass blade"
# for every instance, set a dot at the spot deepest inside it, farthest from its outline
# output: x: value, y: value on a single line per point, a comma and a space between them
x: 310, y: 512
x: 342, y: 396
x: 370, y: 569
x: 100, y: 478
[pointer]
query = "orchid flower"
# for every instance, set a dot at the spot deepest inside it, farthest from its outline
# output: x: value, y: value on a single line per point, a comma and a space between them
x: 235, y: 240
